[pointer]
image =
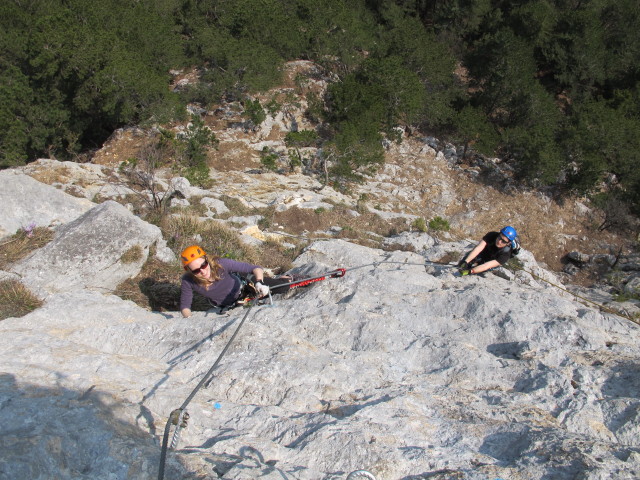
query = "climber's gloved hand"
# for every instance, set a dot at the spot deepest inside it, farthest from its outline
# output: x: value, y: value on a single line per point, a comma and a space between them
x: 463, y: 265
x: 262, y: 289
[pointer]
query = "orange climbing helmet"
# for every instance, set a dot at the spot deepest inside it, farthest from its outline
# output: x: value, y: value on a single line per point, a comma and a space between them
x: 189, y: 254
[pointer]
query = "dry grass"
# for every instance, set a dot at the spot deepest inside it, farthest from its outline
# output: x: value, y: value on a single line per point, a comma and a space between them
x: 132, y: 255
x: 160, y: 272
x: 236, y: 208
x: 277, y: 258
x: 51, y: 175
x: 16, y: 300
x: 215, y: 237
x: 22, y: 243
x: 218, y: 239
x: 365, y: 229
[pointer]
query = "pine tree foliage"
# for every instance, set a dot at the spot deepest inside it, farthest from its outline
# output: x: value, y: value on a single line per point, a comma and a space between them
x: 550, y: 85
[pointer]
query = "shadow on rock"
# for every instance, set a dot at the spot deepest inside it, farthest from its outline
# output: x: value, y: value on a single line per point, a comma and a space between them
x: 624, y: 382
x: 166, y: 296
x: 506, y: 446
x: 61, y: 433
x: 509, y: 350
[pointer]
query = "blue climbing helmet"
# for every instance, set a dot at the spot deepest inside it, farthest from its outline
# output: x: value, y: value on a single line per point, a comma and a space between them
x: 509, y: 232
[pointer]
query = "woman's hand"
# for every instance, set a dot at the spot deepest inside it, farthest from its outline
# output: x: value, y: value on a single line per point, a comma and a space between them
x: 262, y: 289
x: 186, y: 313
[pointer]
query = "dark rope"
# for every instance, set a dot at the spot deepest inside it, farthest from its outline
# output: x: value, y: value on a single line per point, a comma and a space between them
x: 176, y: 416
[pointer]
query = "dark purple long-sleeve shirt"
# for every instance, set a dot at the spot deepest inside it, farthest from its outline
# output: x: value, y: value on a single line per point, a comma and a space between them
x: 221, y: 293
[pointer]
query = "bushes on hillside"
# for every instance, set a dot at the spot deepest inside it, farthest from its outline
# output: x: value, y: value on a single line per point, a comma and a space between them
x: 550, y: 86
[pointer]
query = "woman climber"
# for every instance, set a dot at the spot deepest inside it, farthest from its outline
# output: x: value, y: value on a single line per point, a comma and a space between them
x: 220, y: 280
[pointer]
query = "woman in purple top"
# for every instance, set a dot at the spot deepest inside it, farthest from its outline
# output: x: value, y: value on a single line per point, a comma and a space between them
x: 213, y: 278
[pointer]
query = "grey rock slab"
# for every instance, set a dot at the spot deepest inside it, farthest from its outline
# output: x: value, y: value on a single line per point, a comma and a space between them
x: 214, y: 205
x: 632, y: 287
x: 415, y: 240
x: 26, y: 201
x: 88, y: 252
x: 389, y: 368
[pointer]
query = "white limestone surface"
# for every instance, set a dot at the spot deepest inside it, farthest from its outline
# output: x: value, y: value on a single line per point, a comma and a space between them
x: 405, y: 373
x: 26, y: 202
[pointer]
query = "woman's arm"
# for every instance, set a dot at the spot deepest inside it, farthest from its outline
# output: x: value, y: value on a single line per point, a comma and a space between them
x: 476, y: 251
x: 258, y: 274
x: 186, y: 297
x: 485, y: 266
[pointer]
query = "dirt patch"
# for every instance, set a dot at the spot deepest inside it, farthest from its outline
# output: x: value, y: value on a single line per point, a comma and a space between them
x: 364, y: 227
x: 123, y: 144
x: 233, y: 156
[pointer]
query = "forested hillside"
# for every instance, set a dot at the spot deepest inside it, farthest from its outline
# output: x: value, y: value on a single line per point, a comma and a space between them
x: 549, y: 85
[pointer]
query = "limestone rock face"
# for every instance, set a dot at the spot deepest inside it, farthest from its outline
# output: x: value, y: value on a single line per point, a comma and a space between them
x: 100, y: 249
x: 399, y: 369
x: 26, y: 201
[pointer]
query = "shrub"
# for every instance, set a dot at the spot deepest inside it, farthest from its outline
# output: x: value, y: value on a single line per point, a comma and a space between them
x: 302, y: 138
x: 132, y: 255
x: 197, y: 175
x: 438, y: 224
x: 420, y: 224
x: 254, y: 111
x: 269, y: 159
x: 295, y: 159
x: 273, y: 107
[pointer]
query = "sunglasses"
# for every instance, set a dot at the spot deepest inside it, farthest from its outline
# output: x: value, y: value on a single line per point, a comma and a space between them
x: 503, y: 239
x: 204, y: 265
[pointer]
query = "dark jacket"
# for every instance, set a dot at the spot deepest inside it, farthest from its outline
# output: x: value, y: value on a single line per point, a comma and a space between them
x: 492, y: 252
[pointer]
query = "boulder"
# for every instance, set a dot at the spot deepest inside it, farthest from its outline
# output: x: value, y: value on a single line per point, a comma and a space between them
x: 578, y: 257
x: 215, y: 206
x: 99, y: 249
x: 26, y: 201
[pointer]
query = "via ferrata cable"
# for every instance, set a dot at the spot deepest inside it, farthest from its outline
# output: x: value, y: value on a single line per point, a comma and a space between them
x: 179, y: 416
x: 584, y: 299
